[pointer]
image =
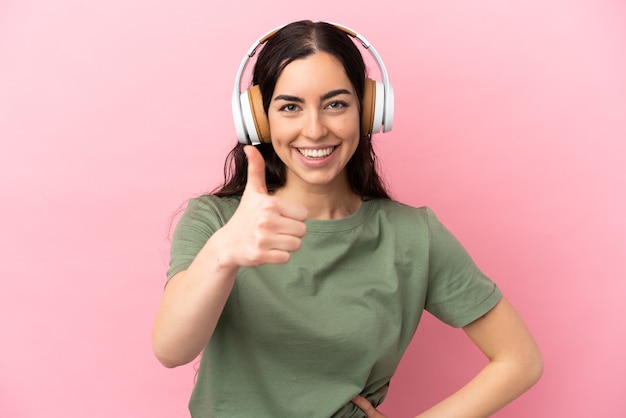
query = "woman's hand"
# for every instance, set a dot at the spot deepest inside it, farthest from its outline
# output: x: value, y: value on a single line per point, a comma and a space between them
x: 265, y: 229
x: 365, y: 406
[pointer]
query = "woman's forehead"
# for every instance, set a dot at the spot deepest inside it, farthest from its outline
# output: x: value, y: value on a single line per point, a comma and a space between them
x: 319, y: 70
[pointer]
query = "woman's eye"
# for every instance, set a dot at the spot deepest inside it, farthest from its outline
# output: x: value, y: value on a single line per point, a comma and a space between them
x: 336, y: 105
x: 289, y: 108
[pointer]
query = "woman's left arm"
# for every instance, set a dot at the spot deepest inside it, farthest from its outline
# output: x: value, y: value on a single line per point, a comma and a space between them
x: 515, y: 364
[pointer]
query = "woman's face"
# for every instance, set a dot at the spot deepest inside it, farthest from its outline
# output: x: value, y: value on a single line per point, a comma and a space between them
x: 314, y: 121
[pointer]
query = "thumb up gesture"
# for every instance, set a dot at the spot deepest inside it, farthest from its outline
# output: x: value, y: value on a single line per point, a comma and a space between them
x: 264, y: 229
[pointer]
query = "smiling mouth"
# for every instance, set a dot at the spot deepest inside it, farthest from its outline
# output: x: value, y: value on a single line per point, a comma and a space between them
x: 316, y: 153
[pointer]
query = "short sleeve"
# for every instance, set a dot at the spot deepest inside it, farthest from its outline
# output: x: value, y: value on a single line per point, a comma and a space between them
x: 202, y: 217
x: 458, y: 292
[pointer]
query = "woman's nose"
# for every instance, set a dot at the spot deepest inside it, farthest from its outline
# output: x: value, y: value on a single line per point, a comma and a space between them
x: 314, y: 127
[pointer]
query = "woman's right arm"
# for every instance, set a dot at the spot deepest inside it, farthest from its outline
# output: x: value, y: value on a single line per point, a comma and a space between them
x: 263, y: 230
x: 191, y: 304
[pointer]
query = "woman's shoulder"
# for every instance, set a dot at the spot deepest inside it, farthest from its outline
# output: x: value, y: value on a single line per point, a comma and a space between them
x: 212, y: 200
x: 403, y: 215
x: 397, y: 208
x: 211, y: 206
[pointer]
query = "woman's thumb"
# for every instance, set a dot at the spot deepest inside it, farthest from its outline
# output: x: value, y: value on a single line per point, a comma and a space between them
x: 256, y: 170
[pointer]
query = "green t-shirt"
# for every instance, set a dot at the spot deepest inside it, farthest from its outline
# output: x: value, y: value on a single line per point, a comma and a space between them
x: 303, y: 338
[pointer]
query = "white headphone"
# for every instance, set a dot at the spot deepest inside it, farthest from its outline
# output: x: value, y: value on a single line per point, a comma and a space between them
x: 251, y: 121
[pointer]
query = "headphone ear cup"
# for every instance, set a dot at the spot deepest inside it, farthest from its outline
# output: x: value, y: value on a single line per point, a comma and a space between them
x: 238, y: 118
x: 254, y: 119
x: 261, y: 122
x: 388, y: 112
x: 372, y: 109
x: 247, y: 120
x: 367, y: 106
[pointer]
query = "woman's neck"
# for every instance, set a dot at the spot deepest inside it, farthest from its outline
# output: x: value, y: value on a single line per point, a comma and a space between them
x: 324, y: 203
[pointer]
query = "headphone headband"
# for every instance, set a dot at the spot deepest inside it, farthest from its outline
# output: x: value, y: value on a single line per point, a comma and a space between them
x: 246, y: 117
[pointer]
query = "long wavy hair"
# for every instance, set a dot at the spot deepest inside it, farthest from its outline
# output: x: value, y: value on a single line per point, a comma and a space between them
x: 294, y: 41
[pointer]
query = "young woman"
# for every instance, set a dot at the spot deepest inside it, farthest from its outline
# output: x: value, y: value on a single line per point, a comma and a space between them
x: 302, y: 282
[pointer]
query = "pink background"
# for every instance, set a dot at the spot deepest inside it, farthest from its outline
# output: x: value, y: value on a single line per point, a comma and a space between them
x: 511, y: 124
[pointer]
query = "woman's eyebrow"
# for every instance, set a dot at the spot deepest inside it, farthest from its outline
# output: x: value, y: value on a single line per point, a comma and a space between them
x: 334, y: 93
x: 289, y: 98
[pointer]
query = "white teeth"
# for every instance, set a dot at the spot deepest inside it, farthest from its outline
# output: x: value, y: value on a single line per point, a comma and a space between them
x: 316, y: 153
